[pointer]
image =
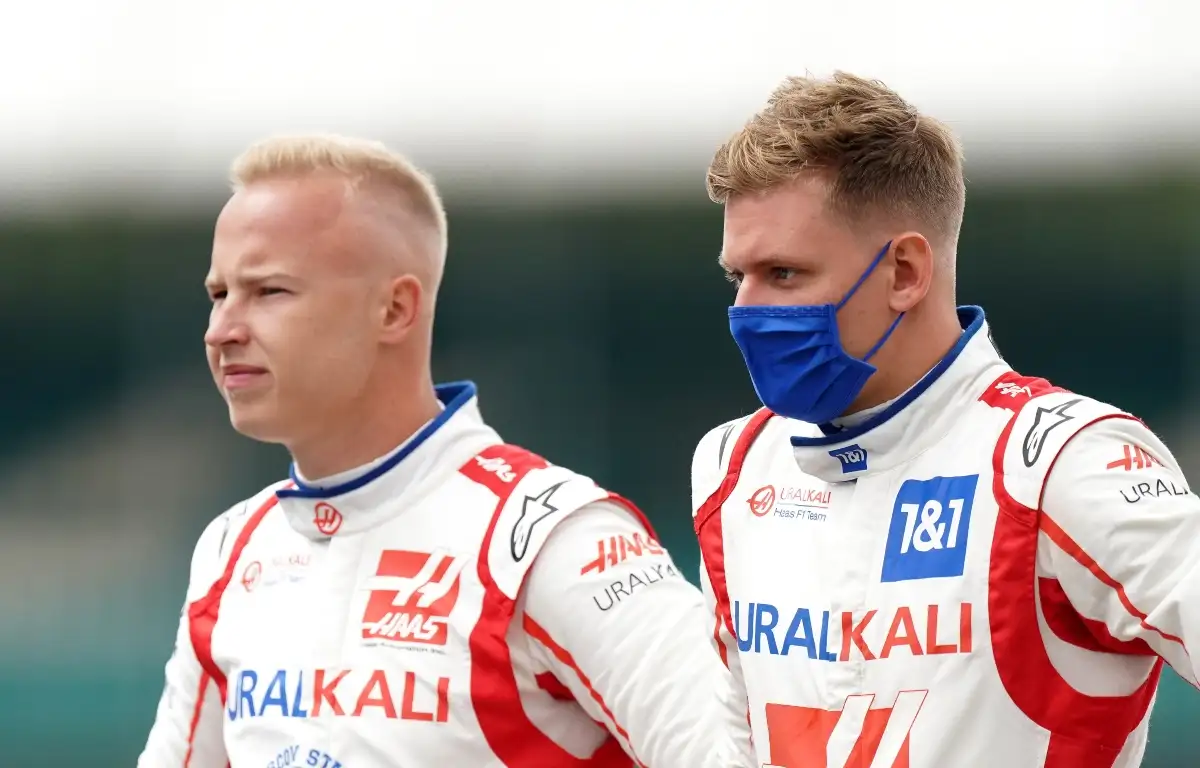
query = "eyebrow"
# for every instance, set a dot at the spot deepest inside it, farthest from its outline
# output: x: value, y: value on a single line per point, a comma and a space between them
x: 252, y: 278
x: 772, y: 259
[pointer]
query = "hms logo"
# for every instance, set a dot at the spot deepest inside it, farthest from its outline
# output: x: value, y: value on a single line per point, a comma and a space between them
x: 853, y: 458
x: 411, y: 596
x: 327, y: 519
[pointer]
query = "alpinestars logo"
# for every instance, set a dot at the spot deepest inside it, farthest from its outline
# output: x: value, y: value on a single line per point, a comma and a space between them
x: 534, y: 509
x: 1044, y: 421
x: 412, y: 595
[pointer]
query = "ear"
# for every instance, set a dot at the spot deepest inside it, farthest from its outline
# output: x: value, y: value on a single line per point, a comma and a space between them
x: 912, y: 274
x: 404, y: 303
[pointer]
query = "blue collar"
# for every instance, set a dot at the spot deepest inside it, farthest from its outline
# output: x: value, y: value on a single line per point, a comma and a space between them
x: 453, y: 396
x: 423, y: 462
x: 971, y: 318
x: 911, y: 424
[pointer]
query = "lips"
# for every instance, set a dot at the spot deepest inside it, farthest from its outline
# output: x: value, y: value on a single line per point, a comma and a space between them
x: 234, y: 377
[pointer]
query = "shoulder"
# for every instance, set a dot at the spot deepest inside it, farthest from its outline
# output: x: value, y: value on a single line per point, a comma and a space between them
x: 595, y: 539
x: 216, y: 540
x: 1065, y: 432
x: 534, y: 498
x: 601, y: 560
x: 712, y: 448
x: 711, y: 457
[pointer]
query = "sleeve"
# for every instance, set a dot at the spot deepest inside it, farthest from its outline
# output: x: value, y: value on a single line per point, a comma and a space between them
x: 1121, y: 530
x: 619, y: 626
x: 733, y: 709
x: 187, y: 730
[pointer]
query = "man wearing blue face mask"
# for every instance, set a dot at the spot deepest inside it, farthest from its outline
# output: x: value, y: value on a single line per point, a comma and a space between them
x: 915, y: 556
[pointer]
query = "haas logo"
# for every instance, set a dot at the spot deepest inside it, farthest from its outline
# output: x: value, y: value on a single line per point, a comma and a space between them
x: 1012, y: 390
x: 411, y: 596
x: 498, y: 467
x: 855, y: 734
x: 762, y: 501
x: 251, y: 575
x: 853, y: 458
x: 327, y: 519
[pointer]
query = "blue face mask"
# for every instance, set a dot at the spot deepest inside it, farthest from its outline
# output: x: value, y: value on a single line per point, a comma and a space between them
x: 796, y: 359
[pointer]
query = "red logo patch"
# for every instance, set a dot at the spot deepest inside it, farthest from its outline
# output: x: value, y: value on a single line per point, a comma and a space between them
x: 1012, y: 390
x: 412, y: 594
x: 1135, y: 457
x: 762, y: 501
x: 251, y: 575
x: 614, y: 550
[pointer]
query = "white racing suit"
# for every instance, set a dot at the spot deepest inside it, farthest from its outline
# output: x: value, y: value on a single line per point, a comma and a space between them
x: 988, y: 573
x: 463, y: 603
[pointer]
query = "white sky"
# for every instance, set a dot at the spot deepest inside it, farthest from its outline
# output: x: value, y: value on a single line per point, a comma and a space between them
x: 156, y: 95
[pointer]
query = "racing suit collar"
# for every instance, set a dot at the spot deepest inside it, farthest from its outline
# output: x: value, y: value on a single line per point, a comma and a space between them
x: 367, y: 500
x: 913, y: 422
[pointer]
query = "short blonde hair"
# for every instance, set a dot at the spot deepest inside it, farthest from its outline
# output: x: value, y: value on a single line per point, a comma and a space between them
x: 358, y: 160
x: 880, y: 154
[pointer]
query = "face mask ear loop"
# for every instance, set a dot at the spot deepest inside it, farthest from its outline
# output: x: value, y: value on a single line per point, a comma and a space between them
x: 874, y: 263
x: 881, y: 342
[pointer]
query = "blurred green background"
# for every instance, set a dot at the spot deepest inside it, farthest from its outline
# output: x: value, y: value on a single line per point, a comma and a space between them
x: 597, y: 334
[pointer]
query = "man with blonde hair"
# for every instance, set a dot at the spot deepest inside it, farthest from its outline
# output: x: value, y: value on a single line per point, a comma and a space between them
x: 418, y: 593
x: 917, y: 557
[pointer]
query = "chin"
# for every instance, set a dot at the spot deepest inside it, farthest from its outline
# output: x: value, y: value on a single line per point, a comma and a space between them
x: 255, y: 424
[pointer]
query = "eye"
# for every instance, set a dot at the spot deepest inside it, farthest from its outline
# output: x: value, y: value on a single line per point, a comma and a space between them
x: 216, y: 295
x: 783, y: 273
x: 271, y: 290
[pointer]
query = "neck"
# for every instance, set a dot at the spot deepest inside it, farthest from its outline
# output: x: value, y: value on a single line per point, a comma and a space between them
x: 919, y: 343
x: 368, y: 433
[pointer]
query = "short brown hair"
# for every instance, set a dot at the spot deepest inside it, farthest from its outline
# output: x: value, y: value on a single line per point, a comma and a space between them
x: 880, y: 153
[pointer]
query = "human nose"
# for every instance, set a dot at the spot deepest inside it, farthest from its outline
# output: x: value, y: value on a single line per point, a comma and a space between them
x: 747, y: 294
x: 225, y: 326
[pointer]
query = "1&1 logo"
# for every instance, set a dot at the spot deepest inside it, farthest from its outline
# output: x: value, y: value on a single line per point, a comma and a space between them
x: 930, y: 523
x: 853, y: 458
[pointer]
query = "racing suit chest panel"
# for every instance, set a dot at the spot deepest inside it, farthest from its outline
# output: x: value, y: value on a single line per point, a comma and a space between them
x: 876, y: 598
x: 355, y: 648
x: 784, y: 616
